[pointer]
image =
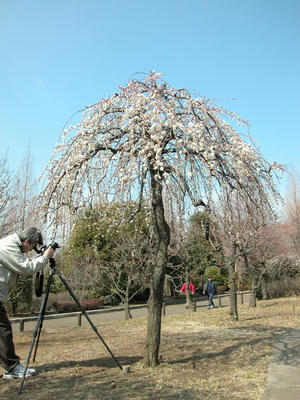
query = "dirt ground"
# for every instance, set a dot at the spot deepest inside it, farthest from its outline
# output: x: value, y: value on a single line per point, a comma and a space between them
x: 204, y: 355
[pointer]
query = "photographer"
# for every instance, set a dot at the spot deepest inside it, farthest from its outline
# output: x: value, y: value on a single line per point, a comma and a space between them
x: 13, y: 262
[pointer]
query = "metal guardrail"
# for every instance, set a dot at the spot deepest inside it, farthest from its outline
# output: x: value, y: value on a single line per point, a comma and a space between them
x: 79, y: 314
x: 204, y: 300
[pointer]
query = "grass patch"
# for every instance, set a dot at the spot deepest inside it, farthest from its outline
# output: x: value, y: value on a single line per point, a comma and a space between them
x: 204, y: 355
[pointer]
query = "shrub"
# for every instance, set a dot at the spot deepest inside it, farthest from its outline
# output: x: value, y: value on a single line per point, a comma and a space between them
x: 283, y: 288
x: 221, y: 289
x: 70, y: 306
x: 217, y: 276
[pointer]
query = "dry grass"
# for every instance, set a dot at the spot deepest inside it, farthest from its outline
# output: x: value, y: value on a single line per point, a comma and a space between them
x: 205, y: 355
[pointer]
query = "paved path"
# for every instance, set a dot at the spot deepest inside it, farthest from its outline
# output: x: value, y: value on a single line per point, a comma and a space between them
x: 284, y: 370
x: 103, y: 318
x: 117, y: 314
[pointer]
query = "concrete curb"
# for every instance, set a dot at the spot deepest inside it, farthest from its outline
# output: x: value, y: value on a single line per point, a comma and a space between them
x: 284, y: 371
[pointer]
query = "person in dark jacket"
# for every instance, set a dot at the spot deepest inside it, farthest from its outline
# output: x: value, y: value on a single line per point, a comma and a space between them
x: 210, y: 289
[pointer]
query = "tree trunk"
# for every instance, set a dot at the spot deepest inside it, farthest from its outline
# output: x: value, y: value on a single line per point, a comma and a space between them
x: 253, y: 292
x: 157, y: 280
x: 252, y: 302
x: 232, y: 280
x: 189, y: 301
x: 188, y: 298
x: 264, y: 289
x: 127, y: 311
x: 14, y: 307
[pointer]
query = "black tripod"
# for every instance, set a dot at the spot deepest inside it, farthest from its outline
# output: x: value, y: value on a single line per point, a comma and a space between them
x: 40, y: 319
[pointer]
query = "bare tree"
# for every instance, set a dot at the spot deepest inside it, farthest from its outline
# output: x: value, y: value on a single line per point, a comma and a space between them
x: 7, y: 197
x: 253, y: 234
x: 292, y: 214
x: 222, y: 218
x: 128, y: 270
x: 24, y: 213
x: 26, y: 192
x: 148, y: 139
x: 257, y: 247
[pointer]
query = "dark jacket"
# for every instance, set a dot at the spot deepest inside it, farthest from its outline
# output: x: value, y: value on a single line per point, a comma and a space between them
x: 214, y: 288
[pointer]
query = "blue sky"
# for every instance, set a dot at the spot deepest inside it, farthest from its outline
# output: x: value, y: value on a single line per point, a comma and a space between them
x: 58, y: 56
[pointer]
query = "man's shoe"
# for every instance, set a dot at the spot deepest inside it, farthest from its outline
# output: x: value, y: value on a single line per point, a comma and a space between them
x: 18, y: 372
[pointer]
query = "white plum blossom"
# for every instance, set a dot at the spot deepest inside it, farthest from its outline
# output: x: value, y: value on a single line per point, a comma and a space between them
x: 150, y: 126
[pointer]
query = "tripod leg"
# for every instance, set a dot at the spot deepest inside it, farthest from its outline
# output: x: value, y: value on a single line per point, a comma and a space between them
x: 87, y: 317
x: 38, y: 326
x: 44, y: 304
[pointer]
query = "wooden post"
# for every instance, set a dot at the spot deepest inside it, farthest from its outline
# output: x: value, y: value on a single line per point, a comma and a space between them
x: 21, y: 325
x: 242, y: 298
x: 220, y: 301
x: 79, y: 319
x: 126, y: 369
x: 164, y: 308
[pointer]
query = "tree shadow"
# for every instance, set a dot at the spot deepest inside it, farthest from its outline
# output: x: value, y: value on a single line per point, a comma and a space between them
x: 104, y: 362
x: 287, y: 348
x: 288, y: 352
x: 52, y: 383
x: 266, y: 305
x: 120, y: 388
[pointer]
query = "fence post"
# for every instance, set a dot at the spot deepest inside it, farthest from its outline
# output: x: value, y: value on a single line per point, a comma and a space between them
x: 79, y: 319
x: 242, y: 298
x: 220, y: 301
x: 164, y: 308
x: 21, y: 325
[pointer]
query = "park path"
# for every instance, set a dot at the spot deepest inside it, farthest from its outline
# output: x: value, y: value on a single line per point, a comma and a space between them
x: 117, y: 314
x: 284, y: 371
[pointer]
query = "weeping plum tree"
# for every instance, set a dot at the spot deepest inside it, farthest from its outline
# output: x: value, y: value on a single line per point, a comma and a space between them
x: 144, y: 142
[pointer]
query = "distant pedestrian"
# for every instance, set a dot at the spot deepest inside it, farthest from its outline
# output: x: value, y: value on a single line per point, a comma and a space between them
x: 210, y: 289
x: 191, y: 290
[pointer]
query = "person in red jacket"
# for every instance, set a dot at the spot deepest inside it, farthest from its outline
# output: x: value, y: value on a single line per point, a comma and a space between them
x: 191, y: 290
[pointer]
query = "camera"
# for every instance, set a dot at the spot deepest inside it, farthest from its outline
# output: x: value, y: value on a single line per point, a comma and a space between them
x: 39, y: 279
x: 53, y: 244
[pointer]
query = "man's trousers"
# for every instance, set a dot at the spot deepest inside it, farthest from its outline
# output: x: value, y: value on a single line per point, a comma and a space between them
x: 8, y: 357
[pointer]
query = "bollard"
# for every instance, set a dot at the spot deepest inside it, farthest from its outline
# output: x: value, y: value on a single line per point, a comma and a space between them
x: 242, y: 298
x: 126, y: 369
x: 195, y: 306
